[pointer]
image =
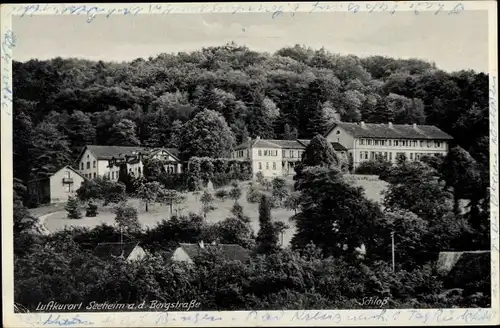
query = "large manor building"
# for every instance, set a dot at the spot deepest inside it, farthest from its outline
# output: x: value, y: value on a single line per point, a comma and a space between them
x: 359, y: 142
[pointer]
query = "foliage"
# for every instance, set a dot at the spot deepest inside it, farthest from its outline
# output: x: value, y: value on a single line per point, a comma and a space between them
x: 267, y: 238
x: 221, y: 171
x: 333, y: 215
x: 280, y: 189
x: 73, y: 208
x: 123, y: 133
x: 126, y: 217
x: 221, y: 194
x: 171, y: 197
x: 206, y: 135
x: 260, y: 177
x: 317, y: 153
x: 378, y: 167
x: 292, y: 201
x: 91, y: 210
x: 235, y: 193
x: 148, y: 192
x: 206, y: 201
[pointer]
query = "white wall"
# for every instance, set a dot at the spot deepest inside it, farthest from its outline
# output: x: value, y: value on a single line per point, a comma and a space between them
x: 88, y: 172
x: 339, y: 135
x: 181, y: 256
x: 270, y: 166
x: 59, y: 191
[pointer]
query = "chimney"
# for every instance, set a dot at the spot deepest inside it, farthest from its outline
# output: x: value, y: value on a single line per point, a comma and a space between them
x: 390, y: 124
x: 414, y: 125
x: 362, y: 123
x: 202, y: 244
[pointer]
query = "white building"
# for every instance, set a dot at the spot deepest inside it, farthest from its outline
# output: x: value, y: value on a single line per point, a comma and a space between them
x: 57, y: 187
x: 367, y: 141
x: 95, y: 160
x: 274, y: 157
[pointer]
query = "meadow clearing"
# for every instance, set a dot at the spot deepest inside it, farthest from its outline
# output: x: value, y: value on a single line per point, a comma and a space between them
x: 157, y: 212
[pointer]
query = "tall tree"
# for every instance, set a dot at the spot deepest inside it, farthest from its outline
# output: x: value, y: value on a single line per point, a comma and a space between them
x: 123, y: 133
x: 267, y: 237
x: 49, y: 150
x: 334, y: 215
x: 206, y: 135
x: 80, y: 131
x: 318, y: 153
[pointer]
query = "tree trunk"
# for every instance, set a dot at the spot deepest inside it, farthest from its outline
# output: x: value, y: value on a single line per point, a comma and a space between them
x: 171, y: 205
x: 456, y: 205
x: 147, y: 206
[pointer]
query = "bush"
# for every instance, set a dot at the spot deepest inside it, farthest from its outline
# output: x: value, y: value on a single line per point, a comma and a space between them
x: 126, y: 217
x: 72, y: 208
x: 91, y: 210
x: 254, y: 195
x: 221, y: 171
x: 221, y: 194
x: 378, y: 167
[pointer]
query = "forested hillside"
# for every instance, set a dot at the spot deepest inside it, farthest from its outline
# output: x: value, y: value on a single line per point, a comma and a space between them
x: 62, y: 104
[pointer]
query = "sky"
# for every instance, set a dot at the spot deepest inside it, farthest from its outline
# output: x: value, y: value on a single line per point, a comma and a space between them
x: 453, y: 42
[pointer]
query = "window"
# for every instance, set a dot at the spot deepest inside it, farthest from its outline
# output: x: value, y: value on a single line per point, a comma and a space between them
x: 267, y: 165
x: 366, y: 155
x: 390, y: 156
x: 292, y: 153
x: 421, y: 143
x: 139, y: 170
x: 438, y: 144
x: 411, y: 155
x: 369, y: 142
x: 260, y: 152
x: 95, y: 174
x: 385, y: 155
x: 260, y: 166
x: 93, y: 164
x: 361, y: 141
x: 283, y: 153
x: 88, y: 165
x: 415, y: 144
x: 81, y: 166
x: 68, y: 188
x: 396, y: 143
x: 274, y: 165
x: 67, y: 174
x: 112, y: 175
x: 389, y: 142
x: 382, y: 142
x: 372, y: 155
x: 429, y: 144
x: 376, y: 142
x: 87, y: 155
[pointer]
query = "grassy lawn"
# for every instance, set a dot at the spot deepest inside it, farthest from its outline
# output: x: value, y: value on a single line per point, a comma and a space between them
x: 157, y: 212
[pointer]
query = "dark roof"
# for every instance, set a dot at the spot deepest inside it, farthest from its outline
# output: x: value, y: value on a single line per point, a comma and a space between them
x: 271, y: 143
x: 338, y: 147
x: 447, y: 261
x: 396, y: 131
x: 293, y: 144
x: 110, y: 250
x: 230, y: 252
x: 109, y: 152
x: 50, y: 174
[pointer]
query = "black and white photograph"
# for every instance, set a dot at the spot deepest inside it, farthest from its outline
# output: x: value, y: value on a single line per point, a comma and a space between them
x: 285, y: 160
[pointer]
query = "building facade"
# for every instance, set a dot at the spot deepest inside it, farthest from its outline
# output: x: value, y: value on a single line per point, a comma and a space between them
x: 56, y: 188
x: 369, y: 141
x: 275, y: 157
x: 105, y: 161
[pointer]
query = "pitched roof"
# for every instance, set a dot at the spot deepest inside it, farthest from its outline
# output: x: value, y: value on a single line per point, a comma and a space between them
x: 292, y: 144
x: 53, y: 173
x: 338, y: 147
x: 396, y: 131
x: 110, y: 250
x: 271, y: 143
x: 109, y: 152
x: 447, y: 261
x: 230, y: 252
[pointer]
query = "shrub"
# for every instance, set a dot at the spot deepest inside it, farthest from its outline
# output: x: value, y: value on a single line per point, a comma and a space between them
x: 221, y: 194
x: 126, y: 217
x: 91, y: 210
x: 72, y: 209
x: 374, y: 167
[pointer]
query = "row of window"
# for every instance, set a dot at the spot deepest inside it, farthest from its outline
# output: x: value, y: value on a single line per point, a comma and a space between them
x: 365, y: 155
x: 89, y: 175
x: 265, y: 152
x: 401, y: 143
x: 267, y: 165
x: 88, y: 165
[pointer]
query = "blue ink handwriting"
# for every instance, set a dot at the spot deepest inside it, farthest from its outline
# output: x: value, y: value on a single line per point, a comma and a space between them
x: 8, y: 43
x: 61, y: 321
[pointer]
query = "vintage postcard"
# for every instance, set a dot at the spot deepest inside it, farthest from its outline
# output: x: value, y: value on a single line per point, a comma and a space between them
x: 249, y: 164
